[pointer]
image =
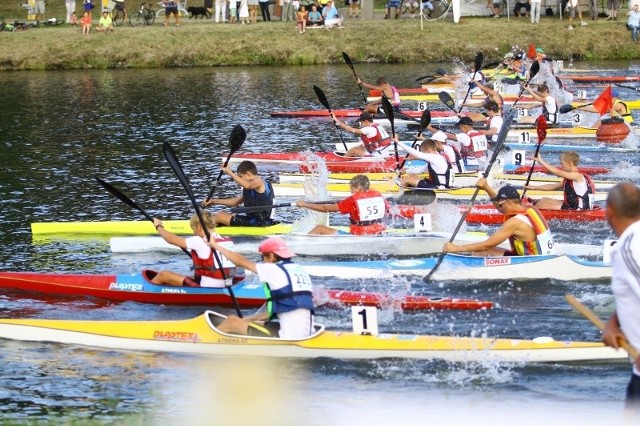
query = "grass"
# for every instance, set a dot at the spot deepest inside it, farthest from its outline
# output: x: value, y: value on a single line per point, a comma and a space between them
x: 204, y: 43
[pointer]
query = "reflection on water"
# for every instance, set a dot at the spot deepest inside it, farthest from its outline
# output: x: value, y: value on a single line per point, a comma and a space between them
x: 60, y: 129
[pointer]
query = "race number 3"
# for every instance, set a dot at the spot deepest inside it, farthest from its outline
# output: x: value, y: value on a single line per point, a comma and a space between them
x: 422, y: 222
x: 365, y: 320
x: 518, y: 158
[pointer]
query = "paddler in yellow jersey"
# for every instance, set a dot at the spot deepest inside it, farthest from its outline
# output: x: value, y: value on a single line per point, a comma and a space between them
x: 619, y: 109
x: 524, y: 226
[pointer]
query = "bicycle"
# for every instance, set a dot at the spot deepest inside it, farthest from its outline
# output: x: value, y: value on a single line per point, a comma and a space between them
x: 145, y: 16
x: 119, y: 13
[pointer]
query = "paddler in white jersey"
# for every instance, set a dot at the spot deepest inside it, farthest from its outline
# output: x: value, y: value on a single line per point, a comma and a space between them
x: 375, y: 139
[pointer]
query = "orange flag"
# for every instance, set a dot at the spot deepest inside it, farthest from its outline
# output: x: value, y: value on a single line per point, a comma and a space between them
x: 532, y: 51
x: 604, y: 102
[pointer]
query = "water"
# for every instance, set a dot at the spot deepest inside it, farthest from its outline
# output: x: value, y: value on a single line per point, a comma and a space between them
x: 60, y: 129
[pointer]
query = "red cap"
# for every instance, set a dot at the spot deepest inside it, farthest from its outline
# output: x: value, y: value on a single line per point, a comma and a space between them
x: 277, y: 246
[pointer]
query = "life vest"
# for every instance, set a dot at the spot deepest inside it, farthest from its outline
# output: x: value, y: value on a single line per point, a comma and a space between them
x: 296, y: 294
x: 209, y: 268
x: 543, y: 243
x: 251, y: 197
x: 379, y: 141
x: 439, y: 180
x: 627, y: 117
x: 572, y: 199
x: 371, y: 207
x: 478, y: 147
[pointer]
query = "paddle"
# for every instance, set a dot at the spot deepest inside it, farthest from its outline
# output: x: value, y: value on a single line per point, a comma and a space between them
x: 347, y: 59
x: 258, y: 208
x: 541, y: 129
x: 439, y: 71
x: 477, y: 64
x: 501, y: 138
x: 588, y: 314
x: 535, y: 67
x: 448, y: 101
x: 236, y: 139
x: 568, y: 107
x: 425, y: 120
x: 324, y: 101
x: 120, y: 195
x: 388, y: 111
x: 627, y: 87
x: 171, y: 157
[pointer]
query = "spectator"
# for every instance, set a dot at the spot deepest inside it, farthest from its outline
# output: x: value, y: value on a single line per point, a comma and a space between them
x: 395, y: 4
x: 495, y: 6
x: 253, y: 11
x: 243, y: 12
x: 221, y: 10
x: 634, y: 21
x: 315, y: 17
x: 264, y: 9
x: 74, y: 19
x: 301, y: 18
x: 88, y: 7
x: 171, y: 7
x: 574, y: 6
x: 410, y: 6
x: 612, y: 8
x: 86, y: 23
x: 208, y: 4
x: 536, y: 5
x: 331, y: 16
x: 71, y: 7
x: 354, y: 8
x: 39, y: 10
x: 517, y: 10
x: 287, y: 11
x: 232, y: 11
x: 106, y: 23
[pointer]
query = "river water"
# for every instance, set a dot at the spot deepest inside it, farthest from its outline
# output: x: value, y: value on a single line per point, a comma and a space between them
x: 60, y: 129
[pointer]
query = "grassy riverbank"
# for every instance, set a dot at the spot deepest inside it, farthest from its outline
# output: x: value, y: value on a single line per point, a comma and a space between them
x: 204, y: 43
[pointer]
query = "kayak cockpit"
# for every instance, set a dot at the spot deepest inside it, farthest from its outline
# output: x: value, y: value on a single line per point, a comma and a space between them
x: 268, y: 331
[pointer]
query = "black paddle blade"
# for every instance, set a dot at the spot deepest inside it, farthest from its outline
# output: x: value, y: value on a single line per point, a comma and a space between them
x: 322, y: 97
x: 425, y: 119
x: 347, y: 59
x: 416, y: 198
x: 477, y: 62
x: 566, y: 108
x: 236, y: 139
x: 535, y: 67
x: 118, y: 194
x: 441, y: 71
x: 446, y: 99
x: 388, y: 111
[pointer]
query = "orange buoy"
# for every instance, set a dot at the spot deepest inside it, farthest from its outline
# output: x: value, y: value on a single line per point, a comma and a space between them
x: 612, y: 130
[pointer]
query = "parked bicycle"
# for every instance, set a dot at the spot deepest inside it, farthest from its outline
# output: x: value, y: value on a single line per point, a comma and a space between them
x: 119, y: 12
x: 145, y: 16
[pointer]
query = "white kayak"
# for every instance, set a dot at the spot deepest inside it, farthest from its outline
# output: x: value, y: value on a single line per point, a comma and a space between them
x: 459, y: 267
x: 416, y: 244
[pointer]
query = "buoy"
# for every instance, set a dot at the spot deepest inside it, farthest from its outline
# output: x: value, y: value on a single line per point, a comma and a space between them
x: 612, y: 130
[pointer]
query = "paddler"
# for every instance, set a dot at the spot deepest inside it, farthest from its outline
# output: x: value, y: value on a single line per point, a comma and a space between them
x: 366, y: 209
x: 549, y: 104
x: 375, y: 139
x: 524, y: 227
x: 619, y: 109
x: 388, y: 91
x: 288, y: 288
x: 578, y: 188
x: 206, y: 270
x: 436, y: 164
x: 471, y: 143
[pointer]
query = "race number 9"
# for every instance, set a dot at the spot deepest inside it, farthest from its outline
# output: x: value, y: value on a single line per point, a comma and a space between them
x: 518, y: 158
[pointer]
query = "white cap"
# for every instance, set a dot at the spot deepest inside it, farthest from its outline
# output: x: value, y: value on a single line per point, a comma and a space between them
x: 439, y: 136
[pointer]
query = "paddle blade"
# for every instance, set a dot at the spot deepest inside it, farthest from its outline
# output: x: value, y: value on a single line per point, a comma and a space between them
x: 388, y: 111
x: 441, y: 71
x: 446, y: 99
x: 566, y: 108
x: 347, y: 59
x: 535, y: 67
x: 541, y: 128
x: 122, y: 197
x: 425, y: 119
x: 322, y: 97
x: 477, y: 62
x: 236, y: 139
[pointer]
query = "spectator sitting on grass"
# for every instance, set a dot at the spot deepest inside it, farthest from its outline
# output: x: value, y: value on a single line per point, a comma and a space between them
x: 315, y: 17
x: 106, y: 23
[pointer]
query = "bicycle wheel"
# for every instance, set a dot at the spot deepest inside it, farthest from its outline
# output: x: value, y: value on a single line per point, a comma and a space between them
x: 439, y: 11
x: 149, y: 16
x: 118, y: 18
x: 136, y: 19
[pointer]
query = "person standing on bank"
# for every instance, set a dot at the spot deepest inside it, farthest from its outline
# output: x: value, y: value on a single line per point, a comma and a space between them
x: 623, y: 216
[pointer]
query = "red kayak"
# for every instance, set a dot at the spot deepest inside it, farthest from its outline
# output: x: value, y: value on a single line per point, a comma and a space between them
x: 488, y: 215
x: 138, y: 288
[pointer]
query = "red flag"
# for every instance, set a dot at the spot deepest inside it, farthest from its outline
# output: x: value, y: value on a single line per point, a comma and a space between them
x: 604, y: 102
x: 531, y: 54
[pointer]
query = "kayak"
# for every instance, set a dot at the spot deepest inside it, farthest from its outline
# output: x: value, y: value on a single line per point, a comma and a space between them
x: 416, y: 244
x: 488, y: 215
x: 200, y: 336
x: 460, y: 267
x: 249, y: 294
x: 460, y: 179
x: 389, y: 188
x: 556, y: 147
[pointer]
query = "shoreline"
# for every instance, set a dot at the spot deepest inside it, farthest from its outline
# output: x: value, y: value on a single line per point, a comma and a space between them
x: 204, y: 43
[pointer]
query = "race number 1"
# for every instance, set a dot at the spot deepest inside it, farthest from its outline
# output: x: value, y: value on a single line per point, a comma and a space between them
x: 365, y: 320
x: 422, y: 222
x: 518, y: 158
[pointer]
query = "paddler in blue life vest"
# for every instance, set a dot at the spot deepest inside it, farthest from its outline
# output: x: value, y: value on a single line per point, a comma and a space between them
x: 289, y: 292
x: 524, y: 226
x: 206, y: 270
x: 578, y: 188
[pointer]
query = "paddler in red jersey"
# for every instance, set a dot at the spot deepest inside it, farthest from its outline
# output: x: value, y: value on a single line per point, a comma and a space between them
x: 375, y: 139
x: 524, y: 227
x: 366, y: 209
x: 579, y: 189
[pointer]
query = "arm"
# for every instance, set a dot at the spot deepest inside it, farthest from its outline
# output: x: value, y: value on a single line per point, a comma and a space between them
x: 505, y: 231
x: 534, y: 94
x: 227, y: 202
x: 322, y: 208
x: 256, y: 183
x: 235, y: 258
x: 449, y: 135
x: 556, y: 186
x: 346, y: 127
x: 575, y: 176
x: 369, y: 86
x: 169, y: 237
